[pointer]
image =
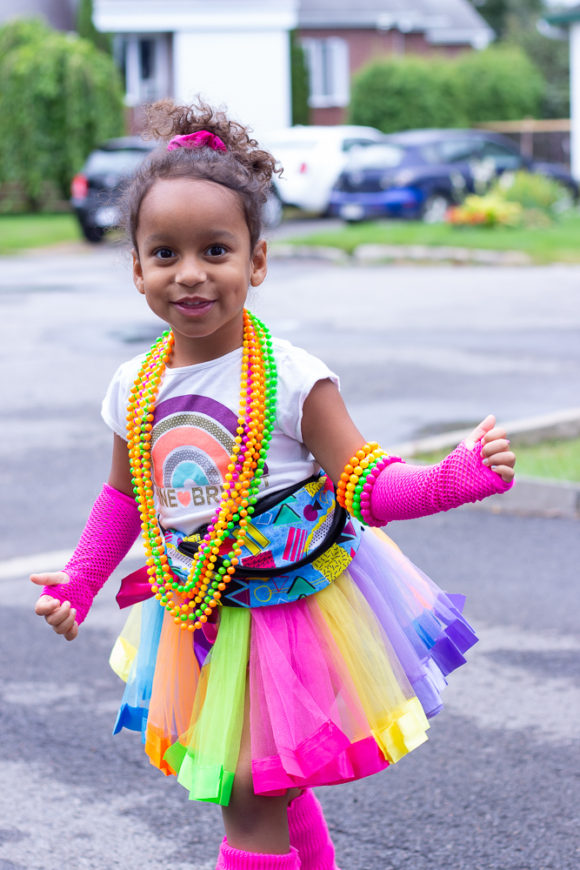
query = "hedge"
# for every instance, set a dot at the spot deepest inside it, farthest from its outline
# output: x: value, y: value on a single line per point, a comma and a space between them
x: 402, y: 93
x: 59, y: 97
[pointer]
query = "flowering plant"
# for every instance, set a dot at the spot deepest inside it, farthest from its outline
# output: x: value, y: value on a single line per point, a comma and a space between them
x: 489, y: 210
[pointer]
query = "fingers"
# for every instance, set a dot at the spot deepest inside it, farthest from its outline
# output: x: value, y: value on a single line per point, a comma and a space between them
x: 496, y: 455
x: 496, y: 434
x: 72, y: 632
x: 61, y: 617
x: 52, y: 578
x: 46, y: 605
x: 506, y: 472
x: 480, y: 431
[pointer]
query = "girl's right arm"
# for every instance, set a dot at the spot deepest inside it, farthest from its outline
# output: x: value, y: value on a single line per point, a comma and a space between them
x: 111, y: 529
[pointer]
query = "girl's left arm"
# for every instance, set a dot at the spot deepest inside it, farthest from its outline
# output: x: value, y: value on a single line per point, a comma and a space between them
x: 328, y: 430
x: 480, y: 466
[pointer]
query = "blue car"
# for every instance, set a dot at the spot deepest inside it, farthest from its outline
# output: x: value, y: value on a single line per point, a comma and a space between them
x: 418, y: 174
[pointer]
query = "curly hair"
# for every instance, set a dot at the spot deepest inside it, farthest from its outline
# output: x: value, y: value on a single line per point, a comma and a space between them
x: 244, y: 168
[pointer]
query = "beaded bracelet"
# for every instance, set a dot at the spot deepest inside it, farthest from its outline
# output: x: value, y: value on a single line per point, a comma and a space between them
x: 355, y: 487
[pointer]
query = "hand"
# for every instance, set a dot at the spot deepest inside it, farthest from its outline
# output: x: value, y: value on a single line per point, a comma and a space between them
x: 60, y: 616
x: 494, y: 450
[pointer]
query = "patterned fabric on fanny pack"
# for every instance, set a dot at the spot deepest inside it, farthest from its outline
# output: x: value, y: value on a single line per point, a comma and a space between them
x: 305, y: 527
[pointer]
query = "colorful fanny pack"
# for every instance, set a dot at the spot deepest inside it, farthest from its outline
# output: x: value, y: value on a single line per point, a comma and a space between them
x: 298, y: 542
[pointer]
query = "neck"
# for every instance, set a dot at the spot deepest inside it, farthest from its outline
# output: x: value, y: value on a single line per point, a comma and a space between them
x: 191, y: 351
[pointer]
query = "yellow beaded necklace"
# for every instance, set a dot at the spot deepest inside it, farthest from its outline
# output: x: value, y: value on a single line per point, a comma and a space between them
x: 193, y: 601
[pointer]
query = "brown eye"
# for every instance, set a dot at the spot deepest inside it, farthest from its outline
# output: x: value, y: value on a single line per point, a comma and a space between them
x: 163, y: 253
x: 216, y: 251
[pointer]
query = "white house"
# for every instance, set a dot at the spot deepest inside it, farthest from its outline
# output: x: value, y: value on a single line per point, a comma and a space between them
x: 235, y: 52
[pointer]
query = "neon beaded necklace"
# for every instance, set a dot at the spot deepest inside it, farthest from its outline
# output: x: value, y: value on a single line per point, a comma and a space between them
x: 193, y: 601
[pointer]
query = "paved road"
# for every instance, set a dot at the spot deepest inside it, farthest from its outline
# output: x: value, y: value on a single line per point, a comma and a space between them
x: 497, y: 786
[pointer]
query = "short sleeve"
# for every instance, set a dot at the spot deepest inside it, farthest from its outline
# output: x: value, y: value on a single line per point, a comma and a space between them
x: 298, y: 372
x: 114, y: 405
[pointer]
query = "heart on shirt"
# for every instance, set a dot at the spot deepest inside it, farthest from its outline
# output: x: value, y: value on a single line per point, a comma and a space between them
x: 184, y: 498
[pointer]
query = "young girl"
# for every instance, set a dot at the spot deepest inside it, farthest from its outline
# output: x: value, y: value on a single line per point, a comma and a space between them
x: 277, y: 641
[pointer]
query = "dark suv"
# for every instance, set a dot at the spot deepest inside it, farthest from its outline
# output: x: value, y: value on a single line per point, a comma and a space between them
x: 96, y: 190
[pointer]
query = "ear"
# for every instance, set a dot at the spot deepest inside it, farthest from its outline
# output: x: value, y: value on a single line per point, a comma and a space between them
x: 138, y: 280
x: 259, y: 264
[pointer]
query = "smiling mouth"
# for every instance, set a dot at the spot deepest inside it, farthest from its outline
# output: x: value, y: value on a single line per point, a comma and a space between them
x: 193, y: 304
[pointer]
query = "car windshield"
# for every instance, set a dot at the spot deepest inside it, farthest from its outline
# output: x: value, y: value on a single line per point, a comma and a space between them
x: 122, y: 162
x: 290, y: 144
x: 384, y: 156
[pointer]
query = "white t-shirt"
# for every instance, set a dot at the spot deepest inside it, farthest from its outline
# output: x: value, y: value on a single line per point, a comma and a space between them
x: 195, y: 425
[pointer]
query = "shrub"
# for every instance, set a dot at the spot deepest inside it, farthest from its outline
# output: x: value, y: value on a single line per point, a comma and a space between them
x: 499, y: 84
x: 299, y: 82
x: 59, y: 96
x: 401, y: 93
x: 533, y: 191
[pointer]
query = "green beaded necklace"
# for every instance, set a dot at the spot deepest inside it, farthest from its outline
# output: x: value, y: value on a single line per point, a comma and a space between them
x: 193, y: 601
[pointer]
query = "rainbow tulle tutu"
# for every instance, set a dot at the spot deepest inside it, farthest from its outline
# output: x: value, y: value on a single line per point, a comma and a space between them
x: 340, y: 684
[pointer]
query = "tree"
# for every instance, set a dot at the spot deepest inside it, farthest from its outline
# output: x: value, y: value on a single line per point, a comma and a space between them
x: 86, y: 28
x: 503, y: 14
x: 59, y: 96
x: 299, y: 82
x: 518, y: 23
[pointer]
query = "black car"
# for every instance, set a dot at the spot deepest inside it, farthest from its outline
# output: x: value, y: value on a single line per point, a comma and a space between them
x: 96, y: 189
x: 420, y: 173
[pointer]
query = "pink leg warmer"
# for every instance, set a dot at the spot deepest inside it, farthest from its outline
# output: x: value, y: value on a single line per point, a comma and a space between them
x: 403, y: 492
x: 309, y: 834
x: 111, y: 530
x: 234, y: 859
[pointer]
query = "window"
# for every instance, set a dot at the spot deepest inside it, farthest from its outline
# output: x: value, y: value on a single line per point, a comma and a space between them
x: 503, y: 158
x: 328, y: 66
x: 458, y: 150
x: 144, y: 64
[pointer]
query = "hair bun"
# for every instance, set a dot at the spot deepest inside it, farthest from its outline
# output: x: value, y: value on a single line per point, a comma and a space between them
x: 165, y: 120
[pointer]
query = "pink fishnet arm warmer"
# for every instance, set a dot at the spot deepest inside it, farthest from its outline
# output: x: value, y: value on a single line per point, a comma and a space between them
x: 404, y: 492
x: 111, y: 529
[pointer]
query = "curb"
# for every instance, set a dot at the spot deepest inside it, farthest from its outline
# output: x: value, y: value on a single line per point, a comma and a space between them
x: 371, y: 255
x: 530, y: 496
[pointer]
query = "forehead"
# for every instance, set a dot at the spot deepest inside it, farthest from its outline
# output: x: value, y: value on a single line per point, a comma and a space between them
x: 194, y: 200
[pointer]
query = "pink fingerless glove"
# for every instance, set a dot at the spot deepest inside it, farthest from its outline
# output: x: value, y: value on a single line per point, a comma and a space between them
x: 404, y: 492
x: 109, y: 534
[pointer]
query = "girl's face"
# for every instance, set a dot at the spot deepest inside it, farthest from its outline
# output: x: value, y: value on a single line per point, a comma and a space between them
x: 194, y: 265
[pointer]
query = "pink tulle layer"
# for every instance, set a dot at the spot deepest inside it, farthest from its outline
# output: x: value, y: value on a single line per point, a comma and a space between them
x: 338, y: 685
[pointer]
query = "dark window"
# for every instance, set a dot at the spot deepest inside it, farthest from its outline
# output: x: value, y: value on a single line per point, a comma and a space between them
x: 459, y: 150
x: 503, y: 158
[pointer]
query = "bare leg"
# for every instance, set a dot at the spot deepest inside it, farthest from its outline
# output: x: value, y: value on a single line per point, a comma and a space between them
x: 254, y: 823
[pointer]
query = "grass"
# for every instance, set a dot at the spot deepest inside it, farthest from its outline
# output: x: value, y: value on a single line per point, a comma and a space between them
x: 558, y: 460
x: 559, y: 242
x: 19, y: 232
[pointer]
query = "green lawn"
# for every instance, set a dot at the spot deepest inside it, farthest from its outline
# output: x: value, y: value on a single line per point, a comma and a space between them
x: 18, y: 232
x: 559, y: 460
x: 559, y: 242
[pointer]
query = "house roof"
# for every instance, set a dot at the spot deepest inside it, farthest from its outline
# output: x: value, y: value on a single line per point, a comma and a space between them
x: 440, y: 20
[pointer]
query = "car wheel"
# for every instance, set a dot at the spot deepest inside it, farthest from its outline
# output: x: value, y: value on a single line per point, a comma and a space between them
x: 272, y: 210
x: 435, y: 208
x: 93, y: 234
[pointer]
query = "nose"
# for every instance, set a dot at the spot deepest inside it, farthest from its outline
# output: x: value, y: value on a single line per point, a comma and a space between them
x: 191, y: 271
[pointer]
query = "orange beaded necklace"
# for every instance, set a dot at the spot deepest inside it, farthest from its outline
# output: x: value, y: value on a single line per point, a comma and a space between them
x: 193, y: 601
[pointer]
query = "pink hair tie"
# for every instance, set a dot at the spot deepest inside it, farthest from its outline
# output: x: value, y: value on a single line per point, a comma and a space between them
x: 200, y: 139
